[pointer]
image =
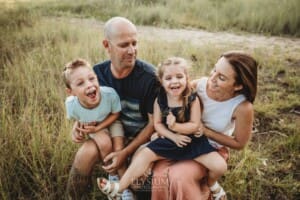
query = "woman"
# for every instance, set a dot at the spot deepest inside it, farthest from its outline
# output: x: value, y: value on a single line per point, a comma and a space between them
x: 233, y: 77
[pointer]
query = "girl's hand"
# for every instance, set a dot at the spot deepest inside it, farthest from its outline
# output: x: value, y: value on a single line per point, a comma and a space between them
x: 171, y: 119
x: 181, y: 140
x: 200, y: 131
x: 156, y: 135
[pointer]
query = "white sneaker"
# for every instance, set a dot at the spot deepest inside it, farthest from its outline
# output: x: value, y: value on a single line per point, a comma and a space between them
x: 113, y: 178
x: 127, y: 195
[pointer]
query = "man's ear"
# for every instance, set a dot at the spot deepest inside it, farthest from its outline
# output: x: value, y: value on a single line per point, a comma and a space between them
x: 105, y: 43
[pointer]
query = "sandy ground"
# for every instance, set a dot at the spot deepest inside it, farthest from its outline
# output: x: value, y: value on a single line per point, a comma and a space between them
x: 201, y: 37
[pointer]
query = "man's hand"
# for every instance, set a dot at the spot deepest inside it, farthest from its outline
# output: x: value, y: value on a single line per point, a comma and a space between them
x: 115, y: 160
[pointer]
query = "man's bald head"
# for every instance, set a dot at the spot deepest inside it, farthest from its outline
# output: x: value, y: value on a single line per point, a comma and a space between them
x: 115, y: 25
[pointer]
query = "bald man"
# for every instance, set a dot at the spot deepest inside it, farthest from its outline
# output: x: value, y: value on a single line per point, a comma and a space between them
x: 135, y: 82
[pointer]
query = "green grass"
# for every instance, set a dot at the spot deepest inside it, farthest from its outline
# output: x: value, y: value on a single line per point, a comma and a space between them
x: 36, y: 148
x: 275, y: 17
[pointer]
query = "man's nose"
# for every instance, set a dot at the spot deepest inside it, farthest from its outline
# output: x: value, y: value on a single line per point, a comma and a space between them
x: 131, y: 49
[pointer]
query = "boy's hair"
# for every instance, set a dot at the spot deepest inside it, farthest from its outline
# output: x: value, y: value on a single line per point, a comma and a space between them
x: 70, y: 67
x: 183, y: 63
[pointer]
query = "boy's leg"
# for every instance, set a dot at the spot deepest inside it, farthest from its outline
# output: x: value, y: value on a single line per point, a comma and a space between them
x: 103, y: 141
x: 79, y: 178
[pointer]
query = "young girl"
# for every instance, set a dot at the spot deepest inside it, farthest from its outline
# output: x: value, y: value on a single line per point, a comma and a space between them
x: 177, y: 119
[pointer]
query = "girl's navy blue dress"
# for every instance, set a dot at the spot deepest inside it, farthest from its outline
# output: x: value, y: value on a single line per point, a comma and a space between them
x: 166, y: 147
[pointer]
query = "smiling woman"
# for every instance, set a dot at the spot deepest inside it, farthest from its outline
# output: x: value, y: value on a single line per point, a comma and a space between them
x: 227, y: 118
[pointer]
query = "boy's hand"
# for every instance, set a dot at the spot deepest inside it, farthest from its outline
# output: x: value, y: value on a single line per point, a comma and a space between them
x: 89, y: 128
x: 181, y: 140
x: 77, y: 135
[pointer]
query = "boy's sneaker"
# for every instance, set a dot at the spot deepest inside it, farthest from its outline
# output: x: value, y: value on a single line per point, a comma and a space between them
x: 113, y: 178
x: 127, y: 195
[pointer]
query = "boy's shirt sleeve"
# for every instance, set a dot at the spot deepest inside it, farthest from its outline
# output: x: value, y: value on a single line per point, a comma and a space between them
x: 116, y: 103
x: 69, y: 103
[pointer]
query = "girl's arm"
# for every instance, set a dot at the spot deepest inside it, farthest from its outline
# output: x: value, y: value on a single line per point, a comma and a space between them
x: 191, y: 126
x: 180, y: 140
x: 243, y: 116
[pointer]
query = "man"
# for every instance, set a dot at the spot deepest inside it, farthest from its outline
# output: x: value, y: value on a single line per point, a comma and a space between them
x: 136, y: 84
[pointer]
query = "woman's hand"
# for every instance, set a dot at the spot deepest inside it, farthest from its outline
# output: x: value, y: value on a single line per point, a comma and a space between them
x: 181, y: 140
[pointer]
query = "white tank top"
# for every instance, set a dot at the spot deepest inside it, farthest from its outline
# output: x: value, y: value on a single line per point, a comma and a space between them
x: 217, y: 115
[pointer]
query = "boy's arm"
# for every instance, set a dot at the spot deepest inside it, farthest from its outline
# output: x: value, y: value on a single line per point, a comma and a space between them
x: 107, y: 121
x: 191, y: 126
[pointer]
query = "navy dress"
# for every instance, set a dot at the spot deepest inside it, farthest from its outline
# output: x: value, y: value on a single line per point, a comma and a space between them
x: 167, y: 148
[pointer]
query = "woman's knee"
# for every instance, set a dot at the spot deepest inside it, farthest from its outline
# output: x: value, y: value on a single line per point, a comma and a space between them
x: 186, y: 170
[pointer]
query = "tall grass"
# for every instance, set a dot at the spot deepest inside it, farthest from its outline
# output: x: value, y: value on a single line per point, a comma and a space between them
x: 274, y: 17
x: 36, y: 148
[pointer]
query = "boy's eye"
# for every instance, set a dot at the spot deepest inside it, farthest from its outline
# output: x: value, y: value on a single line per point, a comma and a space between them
x: 179, y: 76
x: 79, y: 83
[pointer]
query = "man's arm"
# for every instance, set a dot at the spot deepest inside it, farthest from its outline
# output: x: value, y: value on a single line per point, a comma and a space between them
x: 118, y: 158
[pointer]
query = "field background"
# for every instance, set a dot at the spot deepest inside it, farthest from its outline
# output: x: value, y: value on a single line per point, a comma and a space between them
x: 39, y: 37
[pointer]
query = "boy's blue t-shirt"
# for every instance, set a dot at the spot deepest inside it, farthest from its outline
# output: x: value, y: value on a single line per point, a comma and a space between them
x: 110, y: 103
x: 137, y: 92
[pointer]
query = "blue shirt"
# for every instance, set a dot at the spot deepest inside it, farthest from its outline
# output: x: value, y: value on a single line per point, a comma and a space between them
x: 137, y: 92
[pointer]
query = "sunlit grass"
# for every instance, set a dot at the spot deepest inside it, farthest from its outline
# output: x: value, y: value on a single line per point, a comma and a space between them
x: 36, y: 148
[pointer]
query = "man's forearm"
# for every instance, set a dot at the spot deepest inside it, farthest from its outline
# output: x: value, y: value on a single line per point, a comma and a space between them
x: 141, y: 138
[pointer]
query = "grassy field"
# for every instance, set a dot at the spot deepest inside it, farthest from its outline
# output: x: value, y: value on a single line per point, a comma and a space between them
x: 36, y: 149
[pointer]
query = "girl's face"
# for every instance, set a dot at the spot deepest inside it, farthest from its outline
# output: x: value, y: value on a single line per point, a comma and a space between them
x: 174, y: 80
x: 85, y: 86
x: 222, y: 80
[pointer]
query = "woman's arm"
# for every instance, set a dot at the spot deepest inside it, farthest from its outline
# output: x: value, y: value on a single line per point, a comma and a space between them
x: 243, y: 116
x: 191, y: 126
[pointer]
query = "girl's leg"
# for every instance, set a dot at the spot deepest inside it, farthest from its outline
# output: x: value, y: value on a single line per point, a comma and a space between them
x: 216, y: 165
x: 137, y: 167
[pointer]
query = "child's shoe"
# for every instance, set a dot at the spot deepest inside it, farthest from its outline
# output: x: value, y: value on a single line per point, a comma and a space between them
x: 127, y: 195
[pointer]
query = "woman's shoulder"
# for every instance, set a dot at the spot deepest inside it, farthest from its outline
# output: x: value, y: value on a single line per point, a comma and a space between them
x: 244, y: 108
x: 198, y: 82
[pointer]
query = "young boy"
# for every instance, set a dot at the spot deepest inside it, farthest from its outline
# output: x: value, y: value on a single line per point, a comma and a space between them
x: 95, y: 108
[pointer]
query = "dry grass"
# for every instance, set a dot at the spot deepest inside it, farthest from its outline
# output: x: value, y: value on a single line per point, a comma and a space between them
x: 36, y: 149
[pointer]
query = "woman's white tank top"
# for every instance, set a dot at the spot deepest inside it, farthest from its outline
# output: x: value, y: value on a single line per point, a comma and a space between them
x: 217, y: 115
